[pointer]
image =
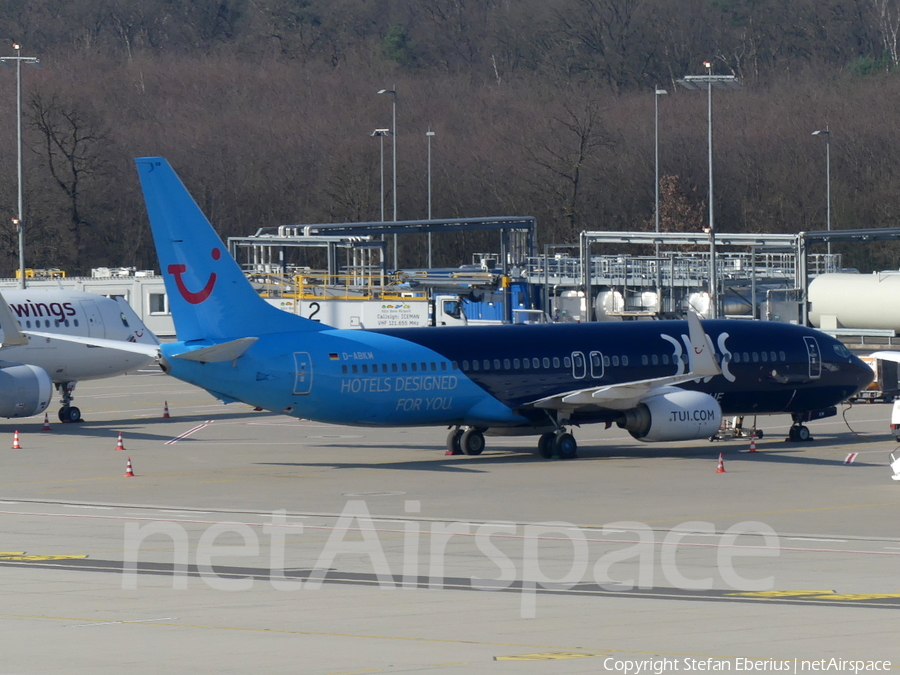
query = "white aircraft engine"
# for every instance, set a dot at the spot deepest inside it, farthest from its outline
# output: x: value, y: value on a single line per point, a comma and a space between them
x: 24, y: 390
x: 673, y: 415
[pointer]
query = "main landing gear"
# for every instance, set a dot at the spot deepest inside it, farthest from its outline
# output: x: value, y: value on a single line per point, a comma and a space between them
x: 68, y: 412
x: 559, y: 443
x: 468, y: 442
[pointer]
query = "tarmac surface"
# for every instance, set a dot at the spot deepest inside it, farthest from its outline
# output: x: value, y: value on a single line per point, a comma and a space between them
x: 253, y: 542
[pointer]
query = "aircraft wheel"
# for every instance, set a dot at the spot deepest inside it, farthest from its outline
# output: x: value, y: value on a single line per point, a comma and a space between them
x: 802, y: 433
x: 453, y: 446
x: 69, y: 414
x: 472, y: 442
x: 565, y: 446
x: 545, y: 445
x: 759, y: 433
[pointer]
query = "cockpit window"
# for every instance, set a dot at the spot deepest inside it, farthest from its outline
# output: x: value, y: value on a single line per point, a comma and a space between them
x: 841, y: 350
x: 124, y: 320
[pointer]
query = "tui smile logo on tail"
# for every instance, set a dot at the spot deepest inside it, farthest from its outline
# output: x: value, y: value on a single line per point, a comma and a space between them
x: 194, y: 297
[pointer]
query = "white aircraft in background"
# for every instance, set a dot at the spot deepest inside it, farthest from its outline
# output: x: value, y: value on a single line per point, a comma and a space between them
x: 31, y: 366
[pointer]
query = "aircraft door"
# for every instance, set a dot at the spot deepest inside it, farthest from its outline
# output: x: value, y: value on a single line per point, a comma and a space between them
x: 302, y: 373
x: 815, y: 357
x: 579, y: 366
x: 596, y: 365
x: 95, y: 326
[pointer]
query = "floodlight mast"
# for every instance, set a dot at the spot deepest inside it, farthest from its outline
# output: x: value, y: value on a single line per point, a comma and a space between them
x: 19, y: 222
x: 707, y: 82
x: 393, y: 93
x: 827, y: 136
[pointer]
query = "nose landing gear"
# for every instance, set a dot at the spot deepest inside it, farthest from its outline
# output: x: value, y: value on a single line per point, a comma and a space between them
x: 68, y: 412
x: 798, y: 432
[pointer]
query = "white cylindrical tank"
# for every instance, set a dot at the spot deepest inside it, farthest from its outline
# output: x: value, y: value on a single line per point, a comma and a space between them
x: 856, y: 300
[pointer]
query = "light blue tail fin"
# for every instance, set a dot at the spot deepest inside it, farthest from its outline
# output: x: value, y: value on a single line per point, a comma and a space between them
x: 209, y: 296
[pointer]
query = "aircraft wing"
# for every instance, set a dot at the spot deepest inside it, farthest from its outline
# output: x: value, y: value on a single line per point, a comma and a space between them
x: 225, y: 351
x: 701, y: 363
x: 144, y: 348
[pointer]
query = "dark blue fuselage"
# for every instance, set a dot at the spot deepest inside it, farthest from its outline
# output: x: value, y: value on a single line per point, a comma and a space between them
x: 767, y: 367
x: 490, y: 376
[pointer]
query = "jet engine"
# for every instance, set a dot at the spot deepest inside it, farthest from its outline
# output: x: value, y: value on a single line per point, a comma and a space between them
x: 673, y: 415
x: 24, y: 390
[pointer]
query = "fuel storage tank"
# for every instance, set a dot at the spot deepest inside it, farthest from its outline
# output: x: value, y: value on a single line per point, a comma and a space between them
x: 855, y: 300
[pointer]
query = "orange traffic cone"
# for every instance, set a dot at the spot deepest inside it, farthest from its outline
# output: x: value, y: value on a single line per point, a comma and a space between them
x: 16, y: 445
x: 46, y: 426
x: 721, y: 467
x: 166, y: 410
x: 119, y: 444
x: 128, y: 472
x: 753, y: 444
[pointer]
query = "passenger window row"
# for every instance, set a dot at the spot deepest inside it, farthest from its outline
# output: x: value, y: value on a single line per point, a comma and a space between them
x: 46, y: 324
x: 514, y: 364
x: 736, y: 357
x: 477, y: 365
x: 413, y: 367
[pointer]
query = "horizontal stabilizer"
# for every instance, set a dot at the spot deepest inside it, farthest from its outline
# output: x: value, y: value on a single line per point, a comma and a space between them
x: 226, y: 351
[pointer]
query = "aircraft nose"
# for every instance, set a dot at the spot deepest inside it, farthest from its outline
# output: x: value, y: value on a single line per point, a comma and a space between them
x: 860, y: 373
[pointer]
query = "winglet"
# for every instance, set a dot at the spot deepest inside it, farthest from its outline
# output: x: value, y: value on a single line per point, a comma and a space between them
x: 701, y: 359
x: 12, y: 337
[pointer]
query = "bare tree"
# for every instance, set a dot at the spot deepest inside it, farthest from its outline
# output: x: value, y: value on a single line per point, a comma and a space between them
x: 566, y: 151
x: 72, y: 145
x: 887, y: 14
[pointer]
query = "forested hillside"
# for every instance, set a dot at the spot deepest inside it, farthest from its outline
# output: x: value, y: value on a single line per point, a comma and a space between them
x: 544, y: 108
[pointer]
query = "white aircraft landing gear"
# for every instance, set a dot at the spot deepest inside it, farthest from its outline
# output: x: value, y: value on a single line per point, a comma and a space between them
x: 68, y: 412
x: 468, y: 442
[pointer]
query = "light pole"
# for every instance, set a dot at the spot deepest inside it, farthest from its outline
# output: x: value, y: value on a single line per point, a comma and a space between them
x: 657, y: 93
x: 827, y: 136
x: 428, y: 136
x: 20, y: 221
x: 393, y: 93
x: 381, y: 133
x: 707, y: 82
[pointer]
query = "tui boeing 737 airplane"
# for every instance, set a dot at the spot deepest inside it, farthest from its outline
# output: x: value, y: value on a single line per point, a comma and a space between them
x: 659, y: 380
